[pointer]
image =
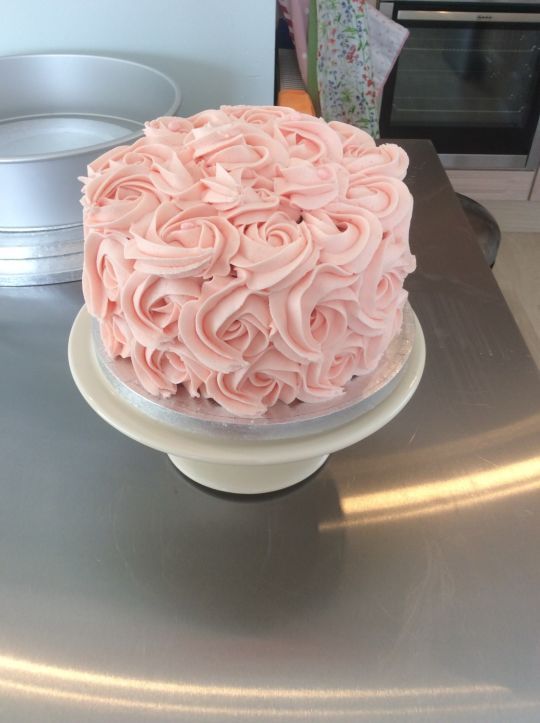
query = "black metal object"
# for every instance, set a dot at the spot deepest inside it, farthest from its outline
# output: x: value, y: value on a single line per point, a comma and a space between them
x: 486, y: 229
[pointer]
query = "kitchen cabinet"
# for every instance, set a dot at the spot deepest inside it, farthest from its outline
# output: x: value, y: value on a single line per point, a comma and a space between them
x: 493, y: 185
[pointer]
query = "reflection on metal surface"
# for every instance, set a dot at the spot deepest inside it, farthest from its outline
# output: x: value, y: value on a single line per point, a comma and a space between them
x: 39, y: 671
x: 440, y: 496
x: 306, y: 714
x: 481, y: 446
x: 30, y: 679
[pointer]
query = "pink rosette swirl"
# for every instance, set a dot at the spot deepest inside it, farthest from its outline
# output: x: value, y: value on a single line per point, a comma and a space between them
x: 340, y: 367
x: 115, y: 334
x: 355, y: 140
x: 240, y: 203
x: 171, y: 169
x: 387, y: 198
x: 326, y: 378
x: 160, y: 371
x: 257, y: 205
x: 275, y: 253
x: 381, y: 286
x: 248, y: 392
x: 260, y: 115
x: 197, y: 242
x: 168, y: 129
x: 222, y: 188
x: 114, y: 157
x: 381, y: 298
x: 228, y: 327
x: 308, y: 187
x: 237, y: 146
x: 151, y: 306
x: 385, y: 160
x: 106, y: 269
x: 120, y: 196
x: 313, y: 315
x: 346, y: 236
x: 310, y: 139
x: 211, y: 117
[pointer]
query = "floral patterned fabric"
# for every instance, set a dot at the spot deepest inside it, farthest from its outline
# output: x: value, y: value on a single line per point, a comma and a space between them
x: 344, y: 66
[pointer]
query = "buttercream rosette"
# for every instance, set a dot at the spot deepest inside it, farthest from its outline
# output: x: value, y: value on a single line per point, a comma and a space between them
x: 249, y: 255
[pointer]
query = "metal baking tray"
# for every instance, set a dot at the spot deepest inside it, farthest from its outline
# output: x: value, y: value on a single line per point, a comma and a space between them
x: 57, y: 114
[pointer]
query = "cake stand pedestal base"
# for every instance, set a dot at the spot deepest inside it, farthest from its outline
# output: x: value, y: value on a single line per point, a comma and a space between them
x: 257, y: 478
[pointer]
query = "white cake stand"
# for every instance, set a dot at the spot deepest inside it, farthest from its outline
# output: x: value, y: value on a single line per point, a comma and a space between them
x: 233, y: 463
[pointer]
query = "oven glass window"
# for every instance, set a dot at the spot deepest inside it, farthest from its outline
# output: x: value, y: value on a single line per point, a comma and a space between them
x: 475, y: 76
x: 471, y: 87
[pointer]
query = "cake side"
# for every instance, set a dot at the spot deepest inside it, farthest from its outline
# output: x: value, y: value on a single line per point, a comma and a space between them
x: 249, y: 254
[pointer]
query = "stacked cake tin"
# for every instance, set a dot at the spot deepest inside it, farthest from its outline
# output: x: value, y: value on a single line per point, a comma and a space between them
x: 58, y: 113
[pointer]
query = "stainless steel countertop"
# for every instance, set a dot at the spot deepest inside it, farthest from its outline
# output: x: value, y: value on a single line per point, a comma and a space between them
x: 401, y: 582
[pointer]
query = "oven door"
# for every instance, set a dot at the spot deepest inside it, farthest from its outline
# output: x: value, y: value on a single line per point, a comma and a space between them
x: 468, y: 78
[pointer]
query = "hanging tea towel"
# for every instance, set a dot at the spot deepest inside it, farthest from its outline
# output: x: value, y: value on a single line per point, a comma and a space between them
x: 386, y: 39
x: 344, y: 66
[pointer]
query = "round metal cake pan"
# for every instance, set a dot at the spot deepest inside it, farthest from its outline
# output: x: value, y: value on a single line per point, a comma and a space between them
x: 57, y: 114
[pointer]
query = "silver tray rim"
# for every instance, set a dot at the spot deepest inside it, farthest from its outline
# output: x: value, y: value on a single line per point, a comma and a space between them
x: 198, y: 415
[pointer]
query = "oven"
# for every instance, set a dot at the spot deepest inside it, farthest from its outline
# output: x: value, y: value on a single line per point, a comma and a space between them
x: 468, y: 78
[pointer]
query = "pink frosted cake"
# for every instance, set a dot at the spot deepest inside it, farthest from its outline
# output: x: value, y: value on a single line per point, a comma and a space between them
x: 248, y: 255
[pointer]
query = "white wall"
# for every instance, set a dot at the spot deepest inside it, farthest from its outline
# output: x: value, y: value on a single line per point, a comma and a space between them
x: 218, y: 51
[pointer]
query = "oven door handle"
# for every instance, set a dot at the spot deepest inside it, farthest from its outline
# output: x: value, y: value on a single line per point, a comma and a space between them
x: 458, y: 16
